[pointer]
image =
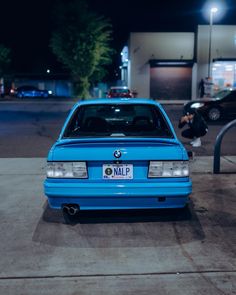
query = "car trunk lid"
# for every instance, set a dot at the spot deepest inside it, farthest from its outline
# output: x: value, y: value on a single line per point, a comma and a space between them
x: 131, y: 149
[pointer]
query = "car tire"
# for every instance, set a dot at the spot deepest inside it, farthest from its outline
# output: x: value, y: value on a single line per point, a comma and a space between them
x: 214, y: 114
x: 20, y: 95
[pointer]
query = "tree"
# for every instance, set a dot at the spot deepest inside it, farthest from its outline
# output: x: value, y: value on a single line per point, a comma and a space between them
x: 80, y: 41
x: 4, y: 59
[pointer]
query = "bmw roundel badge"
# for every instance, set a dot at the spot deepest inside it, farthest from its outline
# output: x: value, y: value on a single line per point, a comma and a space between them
x: 117, y: 154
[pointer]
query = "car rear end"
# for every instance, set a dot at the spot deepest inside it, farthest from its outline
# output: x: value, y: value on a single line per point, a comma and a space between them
x: 129, y: 169
x: 119, y: 92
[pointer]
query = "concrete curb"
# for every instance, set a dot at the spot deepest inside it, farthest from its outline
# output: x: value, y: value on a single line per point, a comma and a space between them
x: 74, y: 100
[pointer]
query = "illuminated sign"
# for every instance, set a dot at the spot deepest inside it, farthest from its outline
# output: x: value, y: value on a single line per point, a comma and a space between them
x: 125, y: 54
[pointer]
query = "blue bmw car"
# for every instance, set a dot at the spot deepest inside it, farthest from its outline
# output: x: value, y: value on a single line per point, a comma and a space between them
x: 117, y: 154
x: 29, y: 91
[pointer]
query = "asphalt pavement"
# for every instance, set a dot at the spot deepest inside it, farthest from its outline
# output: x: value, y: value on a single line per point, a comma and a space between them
x: 29, y: 127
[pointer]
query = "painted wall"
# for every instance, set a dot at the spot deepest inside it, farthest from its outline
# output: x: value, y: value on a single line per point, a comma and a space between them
x: 162, y: 46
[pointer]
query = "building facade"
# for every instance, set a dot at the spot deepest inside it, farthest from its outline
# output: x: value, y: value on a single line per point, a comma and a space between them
x: 223, y: 55
x: 170, y: 66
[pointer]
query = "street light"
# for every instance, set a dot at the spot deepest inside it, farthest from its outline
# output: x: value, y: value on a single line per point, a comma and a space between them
x: 212, y: 11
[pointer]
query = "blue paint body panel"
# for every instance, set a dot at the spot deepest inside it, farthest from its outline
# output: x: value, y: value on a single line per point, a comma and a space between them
x: 139, y: 192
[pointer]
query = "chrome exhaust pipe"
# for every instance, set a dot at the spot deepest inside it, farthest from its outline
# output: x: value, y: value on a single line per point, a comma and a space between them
x: 71, y: 209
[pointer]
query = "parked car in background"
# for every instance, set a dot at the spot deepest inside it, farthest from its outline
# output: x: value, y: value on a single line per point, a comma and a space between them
x: 29, y: 91
x: 221, y: 105
x: 117, y: 154
x: 2, y: 90
x: 119, y: 91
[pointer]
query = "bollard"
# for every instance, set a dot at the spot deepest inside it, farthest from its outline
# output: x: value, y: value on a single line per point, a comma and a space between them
x: 216, y: 164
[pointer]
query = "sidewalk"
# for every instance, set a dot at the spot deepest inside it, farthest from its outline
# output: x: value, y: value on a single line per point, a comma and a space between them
x: 204, y: 164
x: 145, y: 252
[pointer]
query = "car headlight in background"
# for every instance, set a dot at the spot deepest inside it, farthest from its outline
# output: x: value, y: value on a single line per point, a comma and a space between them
x: 67, y: 170
x: 197, y: 105
x: 168, y: 169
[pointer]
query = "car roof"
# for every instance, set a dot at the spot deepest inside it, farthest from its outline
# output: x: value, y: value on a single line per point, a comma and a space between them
x: 119, y: 87
x: 124, y: 100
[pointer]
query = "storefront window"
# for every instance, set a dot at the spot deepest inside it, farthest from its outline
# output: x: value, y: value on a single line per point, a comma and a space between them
x: 224, y: 74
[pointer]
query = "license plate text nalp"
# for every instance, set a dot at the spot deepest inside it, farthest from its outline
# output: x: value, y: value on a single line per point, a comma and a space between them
x: 117, y: 171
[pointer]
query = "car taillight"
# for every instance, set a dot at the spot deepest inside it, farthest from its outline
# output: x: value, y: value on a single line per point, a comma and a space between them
x: 168, y: 169
x: 67, y: 170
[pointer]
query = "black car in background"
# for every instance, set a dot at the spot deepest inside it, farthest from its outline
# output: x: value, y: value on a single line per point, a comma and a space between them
x: 221, y: 105
x: 29, y: 91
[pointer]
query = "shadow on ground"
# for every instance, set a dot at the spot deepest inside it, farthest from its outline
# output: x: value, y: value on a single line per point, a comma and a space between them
x: 127, y: 228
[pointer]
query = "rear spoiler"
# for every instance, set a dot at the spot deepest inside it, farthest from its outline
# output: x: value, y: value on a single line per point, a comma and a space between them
x: 121, y: 140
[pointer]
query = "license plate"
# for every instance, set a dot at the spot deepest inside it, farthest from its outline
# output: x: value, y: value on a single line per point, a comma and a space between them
x: 117, y: 171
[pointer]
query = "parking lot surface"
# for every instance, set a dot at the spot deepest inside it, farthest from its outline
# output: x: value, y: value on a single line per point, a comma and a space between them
x: 29, y: 127
x: 189, y: 251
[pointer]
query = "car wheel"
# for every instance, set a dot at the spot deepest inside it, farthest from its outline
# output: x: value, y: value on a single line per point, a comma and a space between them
x: 214, y: 114
x: 20, y: 95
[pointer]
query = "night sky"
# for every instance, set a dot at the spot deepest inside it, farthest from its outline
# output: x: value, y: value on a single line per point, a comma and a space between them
x: 25, y: 26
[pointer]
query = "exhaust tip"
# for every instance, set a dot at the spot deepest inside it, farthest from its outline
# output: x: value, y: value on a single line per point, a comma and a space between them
x: 71, y: 209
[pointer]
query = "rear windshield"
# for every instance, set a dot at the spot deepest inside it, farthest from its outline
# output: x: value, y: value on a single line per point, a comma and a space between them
x: 133, y: 120
x: 119, y: 90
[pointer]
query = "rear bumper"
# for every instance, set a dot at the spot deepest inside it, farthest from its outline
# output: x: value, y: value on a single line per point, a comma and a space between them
x: 95, y: 196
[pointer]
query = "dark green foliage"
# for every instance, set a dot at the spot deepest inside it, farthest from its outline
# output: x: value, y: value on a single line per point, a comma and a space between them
x: 81, y: 43
x: 4, y: 59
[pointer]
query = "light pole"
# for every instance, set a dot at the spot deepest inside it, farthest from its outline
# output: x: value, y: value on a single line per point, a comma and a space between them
x: 212, y: 11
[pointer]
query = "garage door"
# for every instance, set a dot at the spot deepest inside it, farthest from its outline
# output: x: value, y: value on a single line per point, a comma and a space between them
x: 171, y: 83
